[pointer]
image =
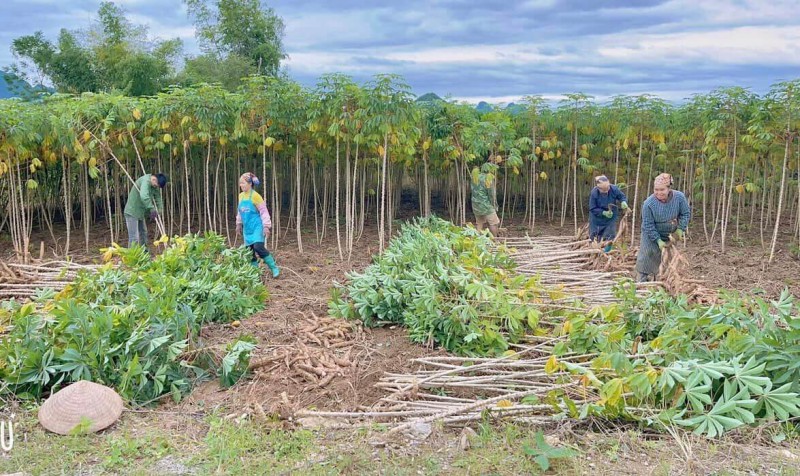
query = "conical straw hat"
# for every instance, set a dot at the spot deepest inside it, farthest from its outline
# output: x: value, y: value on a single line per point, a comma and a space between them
x: 82, y: 403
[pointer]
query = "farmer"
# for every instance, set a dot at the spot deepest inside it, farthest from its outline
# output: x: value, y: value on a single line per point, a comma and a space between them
x: 253, y: 222
x: 603, y: 208
x: 484, y: 196
x: 144, y: 200
x: 664, y: 213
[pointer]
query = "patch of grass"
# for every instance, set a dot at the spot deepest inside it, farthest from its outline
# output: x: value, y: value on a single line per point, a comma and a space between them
x: 125, y: 451
x: 118, y: 451
x: 500, y: 450
x: 37, y: 452
x: 249, y: 448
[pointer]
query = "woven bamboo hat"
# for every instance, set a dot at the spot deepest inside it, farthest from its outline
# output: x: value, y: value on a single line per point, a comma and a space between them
x: 82, y: 403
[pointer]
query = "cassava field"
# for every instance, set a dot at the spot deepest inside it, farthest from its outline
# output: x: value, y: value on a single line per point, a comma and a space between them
x: 398, y: 339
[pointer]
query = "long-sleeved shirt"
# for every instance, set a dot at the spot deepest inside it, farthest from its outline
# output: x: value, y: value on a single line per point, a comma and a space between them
x: 260, y: 205
x: 599, y: 202
x: 144, y: 200
x: 484, y: 195
x: 659, y: 219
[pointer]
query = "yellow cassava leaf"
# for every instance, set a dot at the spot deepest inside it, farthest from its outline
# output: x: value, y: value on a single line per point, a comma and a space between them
x: 740, y: 189
x: 543, y: 175
x: 137, y: 114
x: 552, y: 365
x: 511, y: 354
x: 476, y: 175
x: 538, y: 150
x: 166, y: 139
x: 426, y: 144
x: 505, y: 403
x: 87, y: 135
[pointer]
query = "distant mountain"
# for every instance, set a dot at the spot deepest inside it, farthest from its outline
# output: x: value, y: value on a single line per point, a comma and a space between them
x: 515, y: 109
x: 11, y: 87
x: 429, y: 97
x: 484, y: 106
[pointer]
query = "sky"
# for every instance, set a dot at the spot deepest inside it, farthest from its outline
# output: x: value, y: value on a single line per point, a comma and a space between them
x: 497, y: 51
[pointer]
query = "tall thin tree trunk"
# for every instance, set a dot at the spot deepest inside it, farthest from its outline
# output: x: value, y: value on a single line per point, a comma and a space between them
x: 636, y: 192
x: 67, y: 202
x: 299, y: 209
x: 782, y: 186
x: 382, y: 213
x: 338, y: 230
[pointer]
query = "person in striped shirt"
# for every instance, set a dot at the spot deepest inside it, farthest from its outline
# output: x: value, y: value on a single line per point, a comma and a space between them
x: 253, y: 222
x: 665, y: 213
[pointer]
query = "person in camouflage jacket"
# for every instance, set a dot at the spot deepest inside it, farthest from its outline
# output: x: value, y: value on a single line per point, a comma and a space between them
x: 484, y: 196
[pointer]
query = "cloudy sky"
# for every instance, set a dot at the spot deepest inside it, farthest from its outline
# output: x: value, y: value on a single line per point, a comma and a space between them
x: 498, y: 50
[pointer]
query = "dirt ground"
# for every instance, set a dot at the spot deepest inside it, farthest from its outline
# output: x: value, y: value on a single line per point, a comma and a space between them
x: 303, y: 290
x: 302, y: 293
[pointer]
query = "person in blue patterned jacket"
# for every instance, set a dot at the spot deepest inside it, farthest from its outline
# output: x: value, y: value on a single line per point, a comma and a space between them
x: 665, y: 214
x: 604, y: 211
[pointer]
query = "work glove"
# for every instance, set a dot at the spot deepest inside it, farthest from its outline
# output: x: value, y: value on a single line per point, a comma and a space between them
x: 661, y: 244
x: 624, y: 205
x: 153, y: 214
x: 266, y: 236
x: 608, y: 214
x: 238, y: 228
x: 679, y: 233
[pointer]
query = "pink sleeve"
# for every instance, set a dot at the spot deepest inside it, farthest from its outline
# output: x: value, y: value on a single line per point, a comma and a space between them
x: 265, y: 220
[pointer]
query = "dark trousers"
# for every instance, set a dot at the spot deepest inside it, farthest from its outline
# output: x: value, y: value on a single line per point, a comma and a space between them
x: 259, y: 251
x: 603, y: 232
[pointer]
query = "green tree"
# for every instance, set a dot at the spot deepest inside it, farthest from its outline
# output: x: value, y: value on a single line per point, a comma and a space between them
x: 246, y: 28
x: 229, y: 71
x: 113, y: 55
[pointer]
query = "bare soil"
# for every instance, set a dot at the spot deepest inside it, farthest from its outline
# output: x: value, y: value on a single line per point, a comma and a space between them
x: 302, y: 292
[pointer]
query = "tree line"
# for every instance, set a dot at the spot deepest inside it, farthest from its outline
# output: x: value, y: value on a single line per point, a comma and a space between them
x: 342, y: 155
x: 238, y: 38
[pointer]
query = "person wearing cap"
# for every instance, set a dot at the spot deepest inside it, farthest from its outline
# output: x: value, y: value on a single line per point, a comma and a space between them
x: 253, y: 222
x: 144, y: 200
x: 665, y: 214
x: 604, y: 211
x: 484, y: 196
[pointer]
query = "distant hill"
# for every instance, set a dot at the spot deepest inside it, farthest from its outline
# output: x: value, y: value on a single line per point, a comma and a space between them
x: 484, y: 106
x: 429, y: 97
x: 11, y: 87
x: 515, y: 109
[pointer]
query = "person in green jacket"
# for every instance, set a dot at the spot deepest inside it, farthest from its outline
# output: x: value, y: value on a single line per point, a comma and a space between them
x: 144, y: 200
x: 484, y: 195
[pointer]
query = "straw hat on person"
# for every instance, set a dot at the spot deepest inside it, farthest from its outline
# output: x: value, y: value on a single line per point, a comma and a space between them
x: 82, y: 403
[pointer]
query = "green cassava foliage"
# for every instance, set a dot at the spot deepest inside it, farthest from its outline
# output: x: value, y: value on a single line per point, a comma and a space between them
x: 711, y: 368
x: 131, y: 327
x: 448, y: 285
x: 656, y: 359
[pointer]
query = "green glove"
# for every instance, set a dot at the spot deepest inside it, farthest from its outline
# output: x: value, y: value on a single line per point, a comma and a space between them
x: 661, y: 245
x: 624, y: 205
x: 608, y: 214
x: 679, y: 233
